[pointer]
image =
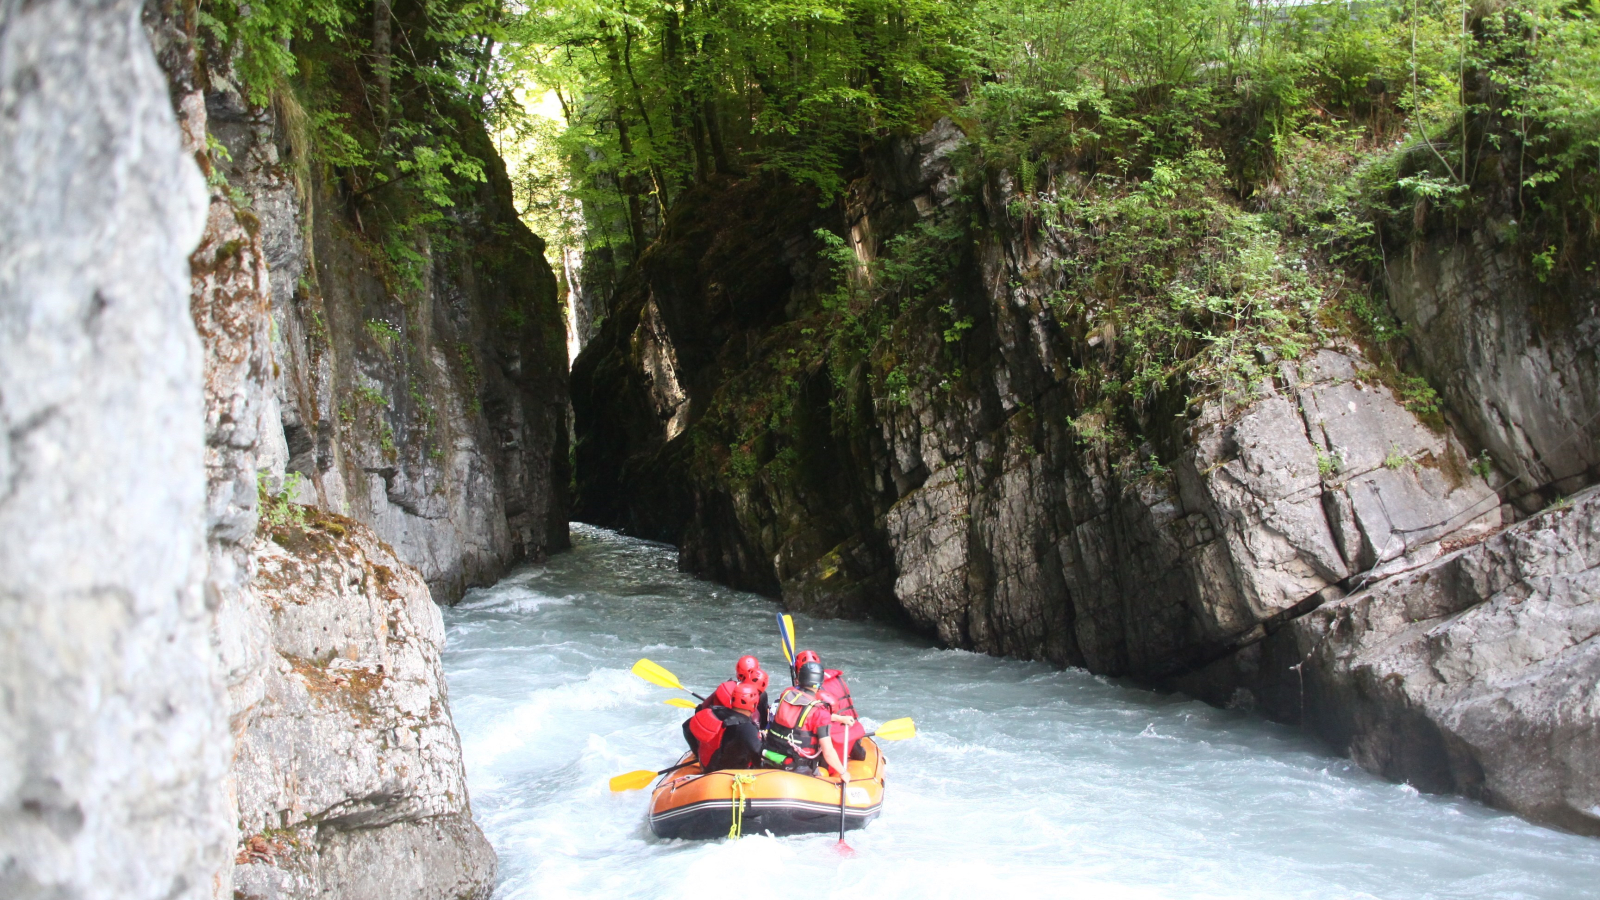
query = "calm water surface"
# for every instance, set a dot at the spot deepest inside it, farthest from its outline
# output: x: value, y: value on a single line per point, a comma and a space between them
x: 1025, y: 780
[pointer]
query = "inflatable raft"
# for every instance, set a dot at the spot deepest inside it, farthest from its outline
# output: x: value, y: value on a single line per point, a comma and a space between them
x: 692, y: 804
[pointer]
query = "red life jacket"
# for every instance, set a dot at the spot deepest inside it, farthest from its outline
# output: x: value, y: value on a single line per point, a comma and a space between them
x: 833, y: 685
x: 793, y: 729
x: 707, y: 729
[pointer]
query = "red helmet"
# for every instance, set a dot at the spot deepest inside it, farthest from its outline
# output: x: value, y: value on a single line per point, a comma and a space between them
x: 805, y: 656
x: 745, y: 664
x: 756, y: 677
x: 745, y: 696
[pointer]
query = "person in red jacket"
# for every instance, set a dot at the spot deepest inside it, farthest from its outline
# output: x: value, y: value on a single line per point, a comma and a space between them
x: 798, y: 736
x: 726, y: 737
x: 844, y: 709
x: 747, y: 669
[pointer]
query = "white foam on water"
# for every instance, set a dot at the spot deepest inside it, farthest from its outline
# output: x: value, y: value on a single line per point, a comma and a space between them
x: 1023, y: 780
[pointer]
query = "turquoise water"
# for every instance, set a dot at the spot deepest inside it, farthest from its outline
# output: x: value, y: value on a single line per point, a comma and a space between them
x: 1024, y: 780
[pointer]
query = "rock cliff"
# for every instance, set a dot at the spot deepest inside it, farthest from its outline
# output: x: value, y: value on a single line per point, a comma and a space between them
x: 961, y: 475
x: 113, y: 733
x: 349, y: 771
x: 1474, y: 673
x: 1513, y: 354
x: 429, y: 407
x: 181, y: 709
x: 427, y: 400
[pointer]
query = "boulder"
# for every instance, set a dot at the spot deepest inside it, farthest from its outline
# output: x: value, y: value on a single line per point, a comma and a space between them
x: 349, y: 773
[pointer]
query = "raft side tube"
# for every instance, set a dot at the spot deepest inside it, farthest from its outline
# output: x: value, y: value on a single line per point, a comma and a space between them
x: 695, y: 805
x: 710, y: 819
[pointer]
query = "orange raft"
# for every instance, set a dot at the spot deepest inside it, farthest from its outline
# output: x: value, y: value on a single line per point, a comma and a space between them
x: 692, y: 804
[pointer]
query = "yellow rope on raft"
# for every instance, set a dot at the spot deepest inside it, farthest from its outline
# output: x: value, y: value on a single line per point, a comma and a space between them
x: 739, y: 781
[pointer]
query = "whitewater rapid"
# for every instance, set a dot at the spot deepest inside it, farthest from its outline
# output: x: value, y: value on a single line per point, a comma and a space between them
x: 1024, y: 781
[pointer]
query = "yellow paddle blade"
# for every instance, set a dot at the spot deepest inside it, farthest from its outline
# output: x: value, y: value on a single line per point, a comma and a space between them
x: 632, y: 781
x: 656, y: 675
x: 786, y: 637
x: 680, y: 702
x: 896, y: 730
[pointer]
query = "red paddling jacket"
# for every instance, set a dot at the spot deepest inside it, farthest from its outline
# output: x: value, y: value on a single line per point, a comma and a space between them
x: 833, y: 685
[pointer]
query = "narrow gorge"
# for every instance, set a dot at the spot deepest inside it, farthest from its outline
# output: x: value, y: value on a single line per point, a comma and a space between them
x: 1153, y: 351
x: 1313, y: 547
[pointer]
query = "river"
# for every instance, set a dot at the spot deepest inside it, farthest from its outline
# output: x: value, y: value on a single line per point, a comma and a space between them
x: 1024, y: 780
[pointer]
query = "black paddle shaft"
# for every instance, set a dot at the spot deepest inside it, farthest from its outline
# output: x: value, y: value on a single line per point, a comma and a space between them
x: 842, y: 783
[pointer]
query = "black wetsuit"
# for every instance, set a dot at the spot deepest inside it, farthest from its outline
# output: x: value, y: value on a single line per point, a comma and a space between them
x: 741, y: 742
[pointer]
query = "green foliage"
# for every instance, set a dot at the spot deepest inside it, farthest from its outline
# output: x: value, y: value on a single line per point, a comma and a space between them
x: 372, y: 395
x: 1328, y: 464
x: 381, y: 332
x: 1175, y: 287
x: 395, y: 128
x: 469, y: 369
x: 1416, y: 394
x: 1483, y: 465
x: 259, y: 37
x: 1397, y: 458
x: 279, y: 510
x: 654, y: 99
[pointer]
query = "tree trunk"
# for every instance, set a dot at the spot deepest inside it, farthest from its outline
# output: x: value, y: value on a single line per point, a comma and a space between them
x: 382, y: 57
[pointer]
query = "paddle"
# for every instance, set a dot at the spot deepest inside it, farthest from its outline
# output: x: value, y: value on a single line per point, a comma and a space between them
x: 660, y: 677
x: 680, y: 703
x: 632, y: 781
x: 895, y: 730
x: 844, y: 760
x: 892, y: 730
x: 786, y: 641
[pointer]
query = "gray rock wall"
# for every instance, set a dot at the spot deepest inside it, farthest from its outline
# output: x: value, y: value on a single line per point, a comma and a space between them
x: 1476, y: 673
x: 334, y: 789
x: 437, y: 412
x: 113, y: 736
x: 350, y: 781
x: 1514, y: 357
x: 433, y: 410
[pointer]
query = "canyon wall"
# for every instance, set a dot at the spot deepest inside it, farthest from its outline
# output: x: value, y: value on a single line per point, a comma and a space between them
x: 420, y: 390
x: 429, y: 405
x: 957, y: 478
x: 113, y: 733
x: 1513, y: 352
x: 217, y: 691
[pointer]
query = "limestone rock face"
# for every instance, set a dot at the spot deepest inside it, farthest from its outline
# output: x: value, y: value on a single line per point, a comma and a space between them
x: 434, y: 412
x: 988, y: 510
x: 350, y: 781
x: 430, y: 404
x: 1514, y: 356
x: 113, y: 733
x: 388, y: 822
x: 1477, y: 673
